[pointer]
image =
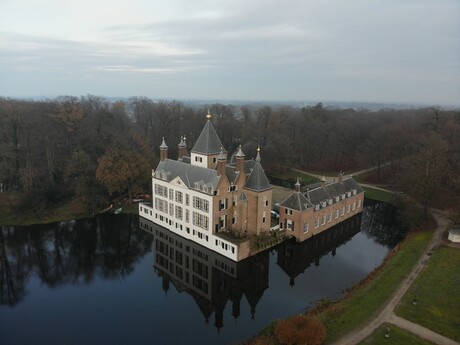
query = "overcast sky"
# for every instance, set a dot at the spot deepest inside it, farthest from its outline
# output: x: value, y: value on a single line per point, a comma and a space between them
x: 357, y: 50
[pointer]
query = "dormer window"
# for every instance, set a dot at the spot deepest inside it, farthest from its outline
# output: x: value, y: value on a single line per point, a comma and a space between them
x: 342, y: 196
x: 337, y: 198
x: 354, y: 191
x: 323, y: 203
x: 317, y: 207
x: 348, y: 194
x: 329, y: 201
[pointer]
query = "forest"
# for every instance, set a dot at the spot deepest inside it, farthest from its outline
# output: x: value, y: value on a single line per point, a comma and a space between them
x: 88, y: 151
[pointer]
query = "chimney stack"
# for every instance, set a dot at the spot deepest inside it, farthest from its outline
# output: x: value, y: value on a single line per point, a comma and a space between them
x: 240, y: 160
x: 297, y: 186
x: 182, y: 147
x: 221, y: 163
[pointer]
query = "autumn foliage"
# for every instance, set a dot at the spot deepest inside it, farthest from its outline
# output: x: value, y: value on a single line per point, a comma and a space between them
x: 300, y: 330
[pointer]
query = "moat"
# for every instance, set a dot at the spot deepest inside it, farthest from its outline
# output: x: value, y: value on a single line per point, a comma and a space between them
x: 111, y: 279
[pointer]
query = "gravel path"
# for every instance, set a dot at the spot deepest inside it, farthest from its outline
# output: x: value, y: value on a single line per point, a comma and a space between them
x: 388, y: 315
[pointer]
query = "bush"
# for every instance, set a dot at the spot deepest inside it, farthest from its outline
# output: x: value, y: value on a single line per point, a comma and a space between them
x: 300, y: 330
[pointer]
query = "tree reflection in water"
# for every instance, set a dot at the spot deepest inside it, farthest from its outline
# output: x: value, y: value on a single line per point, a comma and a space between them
x: 380, y: 222
x: 73, y: 252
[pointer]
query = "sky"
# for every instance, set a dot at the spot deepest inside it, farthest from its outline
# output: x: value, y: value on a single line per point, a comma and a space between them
x: 361, y: 50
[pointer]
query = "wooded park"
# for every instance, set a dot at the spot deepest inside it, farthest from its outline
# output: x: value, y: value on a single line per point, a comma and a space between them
x: 89, y: 151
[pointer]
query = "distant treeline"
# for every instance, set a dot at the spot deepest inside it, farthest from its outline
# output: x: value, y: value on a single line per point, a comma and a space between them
x: 91, y: 150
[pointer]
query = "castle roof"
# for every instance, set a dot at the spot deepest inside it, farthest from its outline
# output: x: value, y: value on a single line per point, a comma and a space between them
x: 208, y: 142
x: 190, y: 174
x: 297, y: 201
x: 329, y: 191
x: 257, y: 180
x: 232, y: 174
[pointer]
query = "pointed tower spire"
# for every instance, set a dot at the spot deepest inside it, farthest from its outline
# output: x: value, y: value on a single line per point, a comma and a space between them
x: 208, y: 116
x: 221, y: 163
x: 258, y: 154
x: 182, y: 147
x: 297, y: 185
x: 163, y: 150
x: 239, y: 159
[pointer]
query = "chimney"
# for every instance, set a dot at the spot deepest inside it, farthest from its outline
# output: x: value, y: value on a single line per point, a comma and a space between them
x: 163, y: 150
x: 221, y: 163
x: 240, y: 160
x: 182, y: 147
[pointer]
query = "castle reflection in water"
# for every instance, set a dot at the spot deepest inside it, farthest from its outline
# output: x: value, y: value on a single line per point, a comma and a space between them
x: 213, y: 280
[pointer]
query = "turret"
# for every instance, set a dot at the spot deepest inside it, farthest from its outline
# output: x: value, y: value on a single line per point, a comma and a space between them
x: 182, y: 147
x: 240, y: 160
x: 163, y: 150
x: 221, y: 163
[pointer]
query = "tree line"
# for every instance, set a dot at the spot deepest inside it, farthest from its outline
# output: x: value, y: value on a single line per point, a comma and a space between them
x: 91, y: 150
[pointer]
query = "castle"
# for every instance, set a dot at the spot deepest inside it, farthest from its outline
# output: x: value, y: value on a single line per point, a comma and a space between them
x: 219, y: 204
x: 209, y: 200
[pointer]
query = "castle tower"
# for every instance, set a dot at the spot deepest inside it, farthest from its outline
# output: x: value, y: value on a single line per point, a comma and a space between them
x: 239, y: 160
x: 259, y: 193
x: 207, y: 147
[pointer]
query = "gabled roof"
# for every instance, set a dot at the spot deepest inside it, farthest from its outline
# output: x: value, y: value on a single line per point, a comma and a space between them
x: 297, y: 201
x: 257, y: 180
x: 169, y: 169
x: 331, y: 190
x: 208, y: 142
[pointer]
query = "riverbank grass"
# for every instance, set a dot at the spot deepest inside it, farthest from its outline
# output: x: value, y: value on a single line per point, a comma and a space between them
x: 291, y: 174
x: 379, y: 195
x: 368, y: 297
x: 397, y: 336
x: 433, y: 299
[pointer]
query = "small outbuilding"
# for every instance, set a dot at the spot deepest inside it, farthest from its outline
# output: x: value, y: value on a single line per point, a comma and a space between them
x: 454, y: 233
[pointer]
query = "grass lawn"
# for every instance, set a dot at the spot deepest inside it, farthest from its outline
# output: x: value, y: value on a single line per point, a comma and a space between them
x: 369, y: 296
x: 377, y: 194
x: 438, y: 295
x: 398, y: 336
x: 304, y: 178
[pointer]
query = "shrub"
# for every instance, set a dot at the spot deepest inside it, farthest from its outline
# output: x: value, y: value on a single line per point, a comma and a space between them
x: 300, y: 330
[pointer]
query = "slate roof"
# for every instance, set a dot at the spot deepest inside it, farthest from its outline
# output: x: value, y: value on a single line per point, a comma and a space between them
x: 169, y: 169
x: 232, y: 174
x: 297, y: 201
x: 257, y: 180
x: 300, y: 202
x: 208, y: 142
x: 329, y: 191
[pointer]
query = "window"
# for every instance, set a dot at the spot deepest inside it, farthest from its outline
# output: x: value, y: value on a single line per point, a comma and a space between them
x: 316, y: 223
x: 323, y: 220
x: 161, y: 205
x: 348, y: 208
x: 179, y: 212
x: 263, y: 217
x: 305, y: 228
x: 179, y: 197
x: 343, y: 211
x: 161, y: 190
x: 200, y: 220
x: 171, y: 194
x: 222, y: 204
x: 235, y: 200
x: 187, y: 216
x: 336, y: 214
x: 329, y: 217
x: 201, y: 204
x: 353, y: 207
x: 265, y: 201
x: 358, y: 205
x: 187, y: 199
x: 171, y: 209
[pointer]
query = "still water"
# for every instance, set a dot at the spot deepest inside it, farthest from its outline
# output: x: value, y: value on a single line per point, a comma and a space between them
x: 117, y: 279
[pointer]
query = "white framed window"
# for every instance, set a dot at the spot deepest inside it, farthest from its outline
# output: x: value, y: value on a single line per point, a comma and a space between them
x: 179, y: 197
x: 305, y: 228
x: 201, y: 204
x: 342, y: 211
x: 358, y: 205
x: 200, y: 220
x: 323, y: 220
x: 179, y: 212
x: 353, y: 207
x: 329, y: 217
x: 348, y: 208
x: 316, y: 223
x: 337, y: 214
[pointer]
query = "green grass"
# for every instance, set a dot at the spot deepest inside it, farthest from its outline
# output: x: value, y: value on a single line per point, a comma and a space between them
x: 368, y: 297
x: 437, y: 293
x: 377, y: 194
x: 304, y: 178
x: 398, y: 336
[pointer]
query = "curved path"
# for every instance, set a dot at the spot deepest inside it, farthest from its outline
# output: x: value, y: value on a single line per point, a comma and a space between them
x: 388, y: 315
